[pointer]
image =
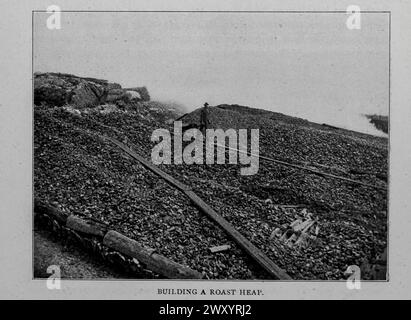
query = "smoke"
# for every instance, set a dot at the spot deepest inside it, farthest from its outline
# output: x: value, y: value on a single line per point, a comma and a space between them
x: 349, y: 117
x: 305, y: 65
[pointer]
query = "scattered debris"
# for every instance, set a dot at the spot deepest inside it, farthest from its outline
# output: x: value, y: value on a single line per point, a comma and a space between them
x: 301, y: 232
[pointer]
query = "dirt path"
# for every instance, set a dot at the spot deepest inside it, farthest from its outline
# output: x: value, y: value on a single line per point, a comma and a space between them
x: 74, y: 264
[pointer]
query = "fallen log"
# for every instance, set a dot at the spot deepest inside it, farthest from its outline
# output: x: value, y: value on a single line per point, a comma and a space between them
x: 86, y: 227
x: 42, y: 208
x: 149, y: 258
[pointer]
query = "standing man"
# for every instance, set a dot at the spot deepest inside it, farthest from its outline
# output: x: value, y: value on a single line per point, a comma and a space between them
x: 204, y: 118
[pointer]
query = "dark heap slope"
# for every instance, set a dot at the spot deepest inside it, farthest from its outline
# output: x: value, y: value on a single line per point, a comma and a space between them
x: 75, y: 168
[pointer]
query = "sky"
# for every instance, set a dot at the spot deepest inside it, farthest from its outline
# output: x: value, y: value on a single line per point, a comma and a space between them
x: 308, y: 65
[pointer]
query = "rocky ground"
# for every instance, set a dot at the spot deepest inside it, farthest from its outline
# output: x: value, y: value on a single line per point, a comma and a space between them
x: 73, y: 263
x: 83, y: 174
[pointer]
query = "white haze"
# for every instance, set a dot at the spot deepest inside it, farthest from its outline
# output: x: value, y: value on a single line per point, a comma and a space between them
x: 301, y: 64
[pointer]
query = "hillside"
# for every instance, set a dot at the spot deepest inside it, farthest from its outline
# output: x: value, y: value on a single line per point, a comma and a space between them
x: 380, y: 122
x: 83, y: 174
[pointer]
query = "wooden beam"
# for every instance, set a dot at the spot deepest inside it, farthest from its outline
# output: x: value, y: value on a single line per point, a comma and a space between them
x: 120, y: 243
x: 149, y: 258
x: 43, y: 208
x: 150, y: 166
x: 87, y: 227
x: 248, y: 247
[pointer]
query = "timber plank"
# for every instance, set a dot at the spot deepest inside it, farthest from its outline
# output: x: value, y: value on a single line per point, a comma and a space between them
x: 245, y: 244
x: 149, y: 258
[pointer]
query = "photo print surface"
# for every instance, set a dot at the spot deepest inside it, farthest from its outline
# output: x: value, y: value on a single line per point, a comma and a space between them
x: 211, y: 145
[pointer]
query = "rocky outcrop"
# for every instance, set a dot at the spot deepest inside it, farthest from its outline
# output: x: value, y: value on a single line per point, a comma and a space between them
x: 142, y: 91
x: 58, y: 89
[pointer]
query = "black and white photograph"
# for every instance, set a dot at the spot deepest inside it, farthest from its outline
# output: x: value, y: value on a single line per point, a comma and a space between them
x: 211, y: 145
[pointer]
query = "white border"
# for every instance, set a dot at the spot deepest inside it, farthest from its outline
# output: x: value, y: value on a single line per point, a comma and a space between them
x: 16, y: 162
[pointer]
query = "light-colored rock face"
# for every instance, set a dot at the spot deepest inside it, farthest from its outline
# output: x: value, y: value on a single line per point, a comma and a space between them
x: 142, y: 91
x: 72, y: 110
x: 134, y: 95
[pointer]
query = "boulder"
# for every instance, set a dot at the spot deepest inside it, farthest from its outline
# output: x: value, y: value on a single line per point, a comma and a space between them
x: 58, y: 89
x: 142, y: 91
x: 134, y: 95
x: 87, y: 94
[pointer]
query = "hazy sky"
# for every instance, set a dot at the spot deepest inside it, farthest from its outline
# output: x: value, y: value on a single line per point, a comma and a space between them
x: 303, y: 64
